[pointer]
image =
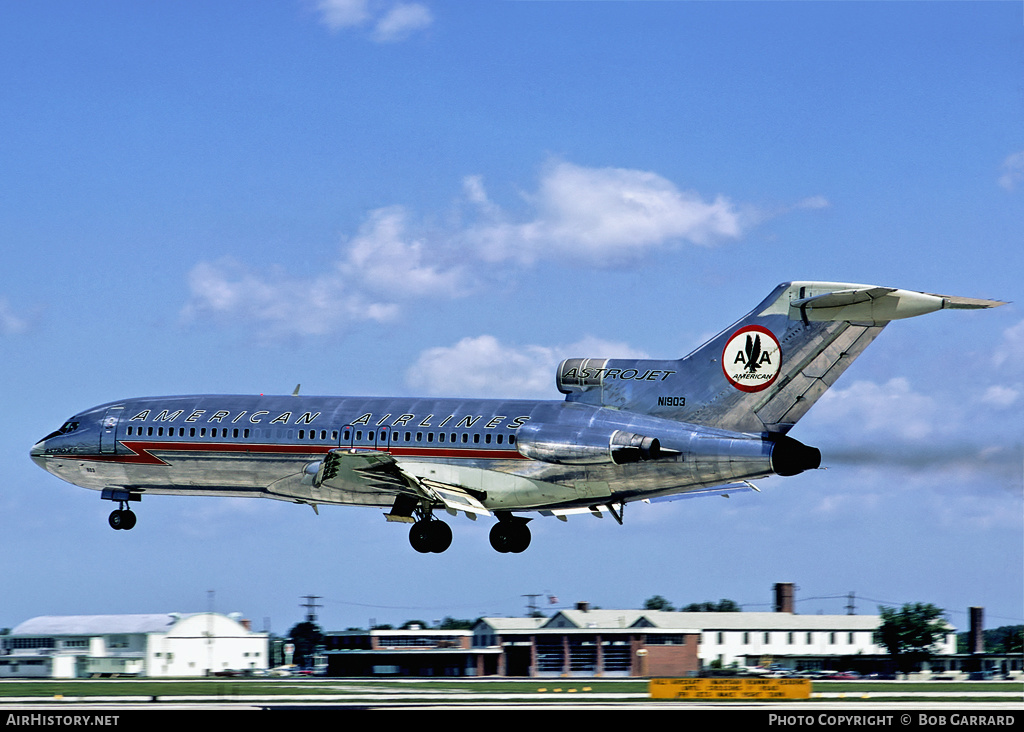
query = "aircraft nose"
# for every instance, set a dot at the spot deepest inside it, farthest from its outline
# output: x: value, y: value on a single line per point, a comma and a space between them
x: 37, y: 452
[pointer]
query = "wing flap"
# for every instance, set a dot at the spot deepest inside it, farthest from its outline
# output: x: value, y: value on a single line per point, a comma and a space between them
x: 456, y: 498
x: 342, y: 467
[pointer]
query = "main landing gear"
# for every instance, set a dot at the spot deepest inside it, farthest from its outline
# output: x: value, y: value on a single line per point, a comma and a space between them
x: 429, y: 535
x: 510, y: 535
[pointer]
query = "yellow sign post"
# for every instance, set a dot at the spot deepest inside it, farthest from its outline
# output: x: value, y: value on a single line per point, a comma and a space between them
x: 730, y: 688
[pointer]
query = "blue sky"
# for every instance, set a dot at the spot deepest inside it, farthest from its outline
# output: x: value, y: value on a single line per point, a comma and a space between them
x: 448, y: 198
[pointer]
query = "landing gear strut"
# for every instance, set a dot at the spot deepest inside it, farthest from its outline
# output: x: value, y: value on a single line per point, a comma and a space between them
x: 510, y: 535
x: 430, y: 536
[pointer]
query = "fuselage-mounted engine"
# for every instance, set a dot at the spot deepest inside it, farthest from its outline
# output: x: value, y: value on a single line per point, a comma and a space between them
x: 566, y: 445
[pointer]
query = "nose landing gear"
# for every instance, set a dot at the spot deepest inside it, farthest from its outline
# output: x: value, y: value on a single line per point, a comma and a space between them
x: 122, y: 518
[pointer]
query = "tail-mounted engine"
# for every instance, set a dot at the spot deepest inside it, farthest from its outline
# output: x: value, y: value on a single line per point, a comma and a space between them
x: 709, y: 455
x: 585, y: 446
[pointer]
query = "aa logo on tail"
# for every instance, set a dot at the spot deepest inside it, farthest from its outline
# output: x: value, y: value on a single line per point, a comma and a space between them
x: 752, y: 358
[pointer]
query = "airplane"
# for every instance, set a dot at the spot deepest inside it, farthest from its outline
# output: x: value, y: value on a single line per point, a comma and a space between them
x: 627, y: 430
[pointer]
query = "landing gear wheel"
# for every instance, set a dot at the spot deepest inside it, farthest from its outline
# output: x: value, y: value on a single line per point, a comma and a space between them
x: 121, y: 519
x: 510, y: 537
x: 429, y: 536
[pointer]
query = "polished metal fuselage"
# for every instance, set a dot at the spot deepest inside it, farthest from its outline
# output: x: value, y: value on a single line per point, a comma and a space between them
x: 230, y: 445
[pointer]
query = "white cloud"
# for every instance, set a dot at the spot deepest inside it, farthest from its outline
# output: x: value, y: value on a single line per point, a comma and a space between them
x: 390, y: 22
x: 589, y: 216
x: 401, y: 21
x: 386, y: 257
x: 382, y: 268
x: 1013, y: 171
x: 602, y: 216
x: 1001, y: 397
x: 891, y: 410
x: 1011, y: 350
x: 10, y: 324
x: 275, y: 303
x: 338, y: 14
x: 813, y: 202
x: 485, y: 367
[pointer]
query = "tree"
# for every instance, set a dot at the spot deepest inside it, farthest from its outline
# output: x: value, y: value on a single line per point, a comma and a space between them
x: 911, y: 634
x: 306, y: 637
x: 722, y: 606
x: 450, y: 623
x: 658, y: 603
x: 1004, y: 639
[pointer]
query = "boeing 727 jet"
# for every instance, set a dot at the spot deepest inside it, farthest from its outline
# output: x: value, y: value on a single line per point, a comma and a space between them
x: 627, y: 430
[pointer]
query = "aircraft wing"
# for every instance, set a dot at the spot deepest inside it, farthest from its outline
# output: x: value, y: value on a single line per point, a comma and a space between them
x: 343, y: 467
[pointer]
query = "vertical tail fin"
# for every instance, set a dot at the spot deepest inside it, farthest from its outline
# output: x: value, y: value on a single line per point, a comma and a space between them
x: 765, y: 371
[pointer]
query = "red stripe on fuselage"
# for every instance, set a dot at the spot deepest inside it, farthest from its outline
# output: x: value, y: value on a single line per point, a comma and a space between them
x: 142, y: 451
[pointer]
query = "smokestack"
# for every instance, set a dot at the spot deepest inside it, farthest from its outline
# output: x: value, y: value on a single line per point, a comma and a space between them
x: 976, y: 640
x: 784, y: 597
x: 583, y: 607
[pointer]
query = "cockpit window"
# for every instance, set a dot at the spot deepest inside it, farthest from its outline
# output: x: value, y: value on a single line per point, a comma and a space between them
x: 66, y: 428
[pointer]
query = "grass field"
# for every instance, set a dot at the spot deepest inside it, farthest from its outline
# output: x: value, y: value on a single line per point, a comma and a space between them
x: 13, y: 691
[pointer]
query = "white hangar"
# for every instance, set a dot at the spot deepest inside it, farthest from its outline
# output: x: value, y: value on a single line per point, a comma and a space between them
x: 162, y: 644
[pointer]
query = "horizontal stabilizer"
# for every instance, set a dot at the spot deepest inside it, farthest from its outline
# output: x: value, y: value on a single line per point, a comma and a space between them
x: 873, y: 305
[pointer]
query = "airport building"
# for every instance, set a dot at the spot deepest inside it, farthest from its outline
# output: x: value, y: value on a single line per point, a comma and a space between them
x: 596, y: 642
x: 167, y: 644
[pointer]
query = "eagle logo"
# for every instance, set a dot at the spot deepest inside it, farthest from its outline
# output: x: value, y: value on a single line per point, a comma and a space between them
x: 753, y: 351
x: 752, y: 358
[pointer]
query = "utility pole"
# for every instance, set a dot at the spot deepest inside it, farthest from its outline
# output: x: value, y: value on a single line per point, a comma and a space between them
x: 850, y: 608
x: 311, y: 607
x: 531, y: 605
